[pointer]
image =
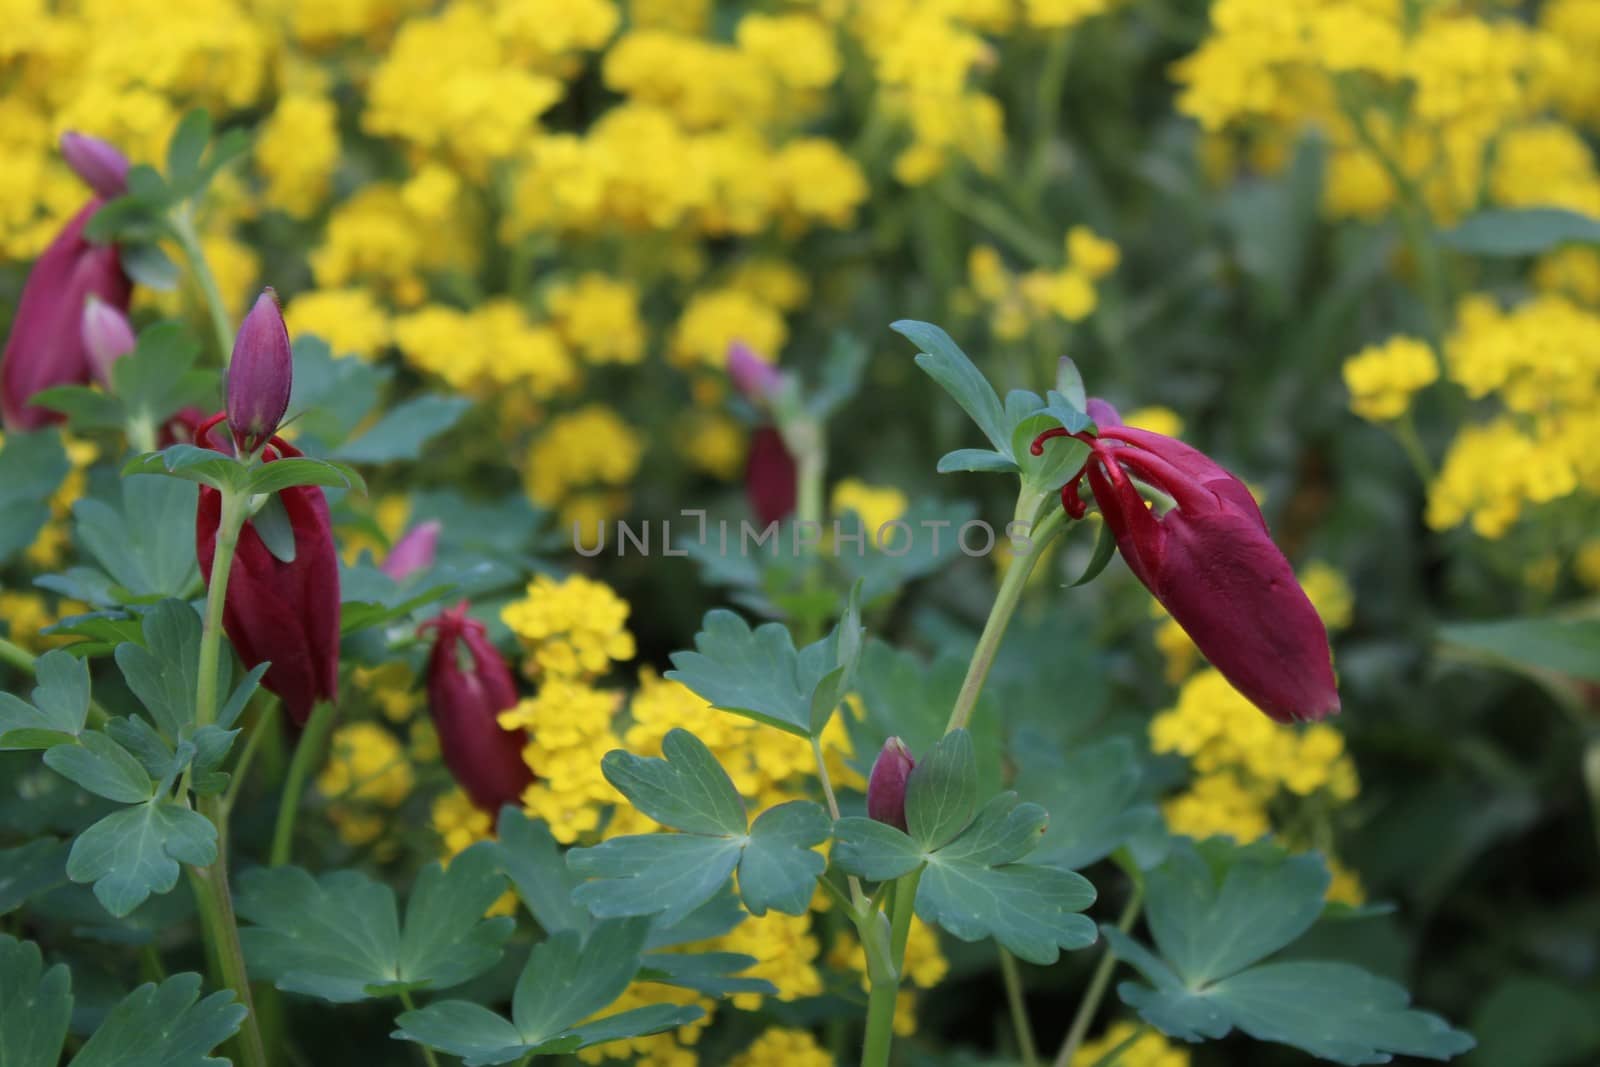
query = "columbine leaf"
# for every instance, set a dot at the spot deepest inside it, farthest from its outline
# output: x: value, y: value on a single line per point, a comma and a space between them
x: 529, y: 856
x: 1092, y: 792
x: 942, y: 791
x: 1060, y: 459
x: 158, y: 378
x: 302, y: 470
x: 944, y: 362
x: 982, y: 460
x: 339, y: 938
x: 59, y: 709
x: 134, y: 852
x: 26, y: 870
x: 648, y: 874
x: 779, y: 868
x: 35, y: 1005
x: 1522, y: 231
x: 713, y: 973
x: 404, y: 430
x: 146, y: 546
x: 876, y: 851
x: 974, y: 889
x: 688, y: 790
x: 756, y: 673
x: 191, y: 463
x: 162, y: 671
x: 103, y: 767
x: 565, y: 981
x: 32, y: 465
x: 163, y: 1026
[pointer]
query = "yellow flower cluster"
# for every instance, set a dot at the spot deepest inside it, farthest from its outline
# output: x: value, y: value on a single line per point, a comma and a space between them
x: 1150, y: 1050
x: 779, y: 1047
x: 297, y: 151
x: 50, y: 544
x: 1541, y: 361
x: 1015, y: 303
x: 575, y: 628
x: 581, y: 463
x: 24, y: 614
x: 366, y: 777
x: 598, y: 316
x: 487, y: 350
x: 1382, y: 379
x: 350, y: 320
x: 876, y: 506
x: 1426, y: 97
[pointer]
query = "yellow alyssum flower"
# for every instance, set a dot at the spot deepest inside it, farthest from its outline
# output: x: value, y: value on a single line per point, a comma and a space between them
x: 580, y: 450
x: 1329, y: 593
x: 1573, y: 272
x: 350, y: 320
x: 713, y: 443
x: 549, y: 34
x: 487, y: 349
x: 772, y: 281
x: 569, y: 730
x: 367, y: 773
x: 1060, y: 14
x: 297, y: 151
x: 715, y: 318
x: 653, y: 1050
x: 875, y: 505
x: 598, y: 316
x: 573, y: 628
x: 1150, y: 1050
x: 1156, y: 419
x: 1383, y: 378
x: 1090, y: 253
x: 1217, y: 804
x: 819, y: 182
x: 797, y: 49
x: 782, y: 1047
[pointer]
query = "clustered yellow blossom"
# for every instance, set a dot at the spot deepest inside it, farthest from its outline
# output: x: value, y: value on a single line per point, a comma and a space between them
x: 875, y: 505
x: 50, y: 543
x: 350, y: 320
x: 25, y: 613
x: 1245, y: 764
x: 492, y: 348
x: 598, y: 316
x: 574, y: 628
x: 297, y: 151
x: 366, y: 777
x: 1382, y: 379
x: 1541, y: 362
x: 781, y: 1047
x: 461, y: 824
x: 1150, y: 1050
x: 1452, y: 99
x: 1015, y: 303
x: 581, y: 463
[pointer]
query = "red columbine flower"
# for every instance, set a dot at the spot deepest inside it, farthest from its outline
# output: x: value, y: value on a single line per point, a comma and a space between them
x: 469, y: 685
x: 1211, y: 563
x: 770, y: 476
x: 285, y: 613
x: 260, y: 375
x: 886, y: 785
x: 46, y: 346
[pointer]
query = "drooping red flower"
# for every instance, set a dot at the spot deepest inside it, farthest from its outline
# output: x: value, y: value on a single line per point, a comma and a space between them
x: 770, y: 476
x: 285, y: 612
x: 469, y: 685
x: 46, y: 347
x: 1212, y: 564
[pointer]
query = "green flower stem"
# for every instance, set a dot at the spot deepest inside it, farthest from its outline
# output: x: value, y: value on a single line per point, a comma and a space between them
x: 1005, y: 605
x: 308, y: 753
x: 905, y: 899
x: 1405, y: 429
x: 858, y: 899
x: 20, y: 658
x: 427, y: 1053
x: 880, y: 1024
x: 215, y: 903
x: 1012, y: 976
x: 266, y: 723
x: 189, y: 240
x: 1097, y: 984
x: 804, y: 437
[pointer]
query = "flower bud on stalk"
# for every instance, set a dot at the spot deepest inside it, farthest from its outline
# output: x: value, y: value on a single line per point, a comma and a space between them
x: 260, y: 375
x: 465, y: 700
x: 1212, y: 564
x: 886, y: 785
x: 770, y: 476
x: 414, y: 552
x: 285, y: 613
x: 107, y: 336
x: 753, y: 376
x: 101, y: 166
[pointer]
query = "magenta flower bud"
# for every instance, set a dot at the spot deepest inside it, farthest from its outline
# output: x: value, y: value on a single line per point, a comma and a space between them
x: 469, y: 685
x: 46, y: 347
x: 260, y: 375
x: 770, y: 476
x: 886, y: 785
x: 107, y: 335
x: 102, y: 167
x: 1103, y: 413
x: 753, y: 376
x: 414, y: 552
x: 1211, y: 562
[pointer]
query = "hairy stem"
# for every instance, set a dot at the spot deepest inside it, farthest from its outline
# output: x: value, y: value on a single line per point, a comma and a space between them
x: 308, y: 753
x: 1098, y: 983
x: 1005, y: 605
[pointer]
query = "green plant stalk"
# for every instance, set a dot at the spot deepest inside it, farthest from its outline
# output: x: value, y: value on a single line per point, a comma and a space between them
x: 1005, y: 605
x: 427, y: 1053
x: 313, y: 745
x: 1098, y: 983
x: 805, y: 438
x: 221, y: 324
x: 1011, y: 974
x: 885, y: 988
x: 16, y: 656
x: 266, y: 722
x: 213, y: 899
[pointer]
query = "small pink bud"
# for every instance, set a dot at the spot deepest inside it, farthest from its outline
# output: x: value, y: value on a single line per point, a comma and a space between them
x: 102, y: 167
x: 414, y: 552
x: 1103, y: 413
x: 260, y: 375
x: 886, y: 785
x: 753, y: 376
x: 107, y: 335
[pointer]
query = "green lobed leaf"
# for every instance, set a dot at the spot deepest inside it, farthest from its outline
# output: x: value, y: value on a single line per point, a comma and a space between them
x: 35, y: 1006
x: 944, y: 362
x: 1061, y: 458
x: 339, y: 937
x: 165, y: 1025
x: 687, y: 790
x: 653, y: 874
x: 134, y: 852
x: 29, y: 869
x: 403, y: 431
x: 103, y: 767
x: 146, y: 545
x: 148, y: 264
x: 876, y: 851
x: 187, y: 145
x: 60, y: 705
x: 1569, y: 648
x: 1069, y: 384
x: 32, y: 466
x: 779, y: 868
x: 85, y: 407
x: 158, y: 378
x: 942, y: 791
x: 714, y: 974
x: 191, y: 463
x: 1092, y: 790
x: 1521, y: 231
x: 162, y: 671
x: 982, y: 460
x: 286, y: 473
x: 756, y: 673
